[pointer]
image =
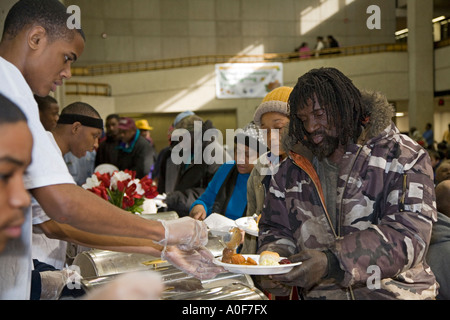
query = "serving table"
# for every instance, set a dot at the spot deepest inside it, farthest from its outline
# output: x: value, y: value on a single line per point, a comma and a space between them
x: 98, y: 267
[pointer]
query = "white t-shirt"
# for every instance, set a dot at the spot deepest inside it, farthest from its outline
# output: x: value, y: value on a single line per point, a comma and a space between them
x: 47, y: 168
x: 50, y: 251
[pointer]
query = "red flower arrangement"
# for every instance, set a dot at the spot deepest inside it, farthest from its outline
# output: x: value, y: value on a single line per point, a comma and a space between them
x: 122, y: 189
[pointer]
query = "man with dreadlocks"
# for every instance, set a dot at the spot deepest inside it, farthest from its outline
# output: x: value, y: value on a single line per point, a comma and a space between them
x: 359, y: 215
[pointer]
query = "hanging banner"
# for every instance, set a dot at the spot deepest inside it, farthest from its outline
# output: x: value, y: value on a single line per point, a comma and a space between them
x: 247, y: 80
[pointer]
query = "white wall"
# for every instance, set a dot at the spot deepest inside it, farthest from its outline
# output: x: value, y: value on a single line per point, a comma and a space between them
x: 139, y: 30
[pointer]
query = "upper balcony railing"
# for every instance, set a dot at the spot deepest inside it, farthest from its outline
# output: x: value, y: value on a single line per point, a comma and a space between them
x: 137, y: 66
x: 87, y: 88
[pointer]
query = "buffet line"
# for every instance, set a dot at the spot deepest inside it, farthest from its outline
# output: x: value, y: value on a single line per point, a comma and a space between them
x: 98, y: 267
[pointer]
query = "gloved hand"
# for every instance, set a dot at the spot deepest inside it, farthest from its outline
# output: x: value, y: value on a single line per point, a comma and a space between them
x: 140, y: 285
x: 198, y: 263
x: 53, y: 282
x: 309, y: 273
x: 198, y: 212
x: 186, y: 233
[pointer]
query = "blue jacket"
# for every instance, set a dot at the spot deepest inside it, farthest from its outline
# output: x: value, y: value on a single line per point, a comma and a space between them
x: 238, y: 201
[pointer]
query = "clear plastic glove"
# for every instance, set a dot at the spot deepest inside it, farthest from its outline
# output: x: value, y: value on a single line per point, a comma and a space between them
x: 187, y: 233
x: 142, y: 285
x: 53, y: 282
x: 198, y: 263
x: 309, y: 273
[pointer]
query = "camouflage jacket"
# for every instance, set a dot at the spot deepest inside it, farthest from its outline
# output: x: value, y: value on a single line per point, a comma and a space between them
x: 385, y: 211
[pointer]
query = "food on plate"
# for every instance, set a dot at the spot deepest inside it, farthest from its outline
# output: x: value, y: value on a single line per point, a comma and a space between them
x: 251, y: 261
x: 227, y: 254
x: 236, y: 238
x: 240, y: 259
x: 231, y: 245
x: 269, y: 258
x: 237, y: 259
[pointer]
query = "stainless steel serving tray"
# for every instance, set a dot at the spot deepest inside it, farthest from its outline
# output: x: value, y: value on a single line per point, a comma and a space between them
x: 98, y: 267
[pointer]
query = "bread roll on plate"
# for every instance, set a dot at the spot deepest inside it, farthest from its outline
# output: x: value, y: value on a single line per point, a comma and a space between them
x: 269, y: 258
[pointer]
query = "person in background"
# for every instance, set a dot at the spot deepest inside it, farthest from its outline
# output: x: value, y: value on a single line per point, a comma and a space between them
x: 443, y: 197
x: 161, y: 160
x: 48, y: 111
x: 349, y: 210
x: 442, y: 171
x: 415, y: 134
x: 319, y: 46
x: 304, y: 51
x: 332, y: 43
x: 226, y: 193
x: 135, y: 152
x: 438, y: 254
x: 107, y: 151
x: 36, y: 53
x: 81, y: 168
x: 436, y: 160
x: 77, y: 132
x: 446, y: 135
x: 184, y: 181
x: 428, y: 136
x: 145, y: 128
x: 271, y: 116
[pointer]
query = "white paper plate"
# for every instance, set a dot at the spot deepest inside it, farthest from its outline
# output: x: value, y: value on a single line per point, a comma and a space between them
x: 255, y: 270
x: 244, y: 224
x: 219, y: 225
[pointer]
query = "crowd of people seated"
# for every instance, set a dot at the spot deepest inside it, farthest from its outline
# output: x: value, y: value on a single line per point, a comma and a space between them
x: 321, y: 44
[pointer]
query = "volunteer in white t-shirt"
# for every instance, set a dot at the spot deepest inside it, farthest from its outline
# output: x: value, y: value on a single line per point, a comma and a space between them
x: 50, y: 251
x: 36, y: 53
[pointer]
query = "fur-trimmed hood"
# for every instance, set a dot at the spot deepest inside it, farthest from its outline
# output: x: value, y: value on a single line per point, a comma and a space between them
x: 379, y: 114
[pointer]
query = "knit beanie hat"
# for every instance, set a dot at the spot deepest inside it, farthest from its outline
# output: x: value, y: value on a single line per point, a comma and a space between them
x: 181, y: 116
x: 252, y: 137
x: 275, y: 101
x: 188, y: 122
